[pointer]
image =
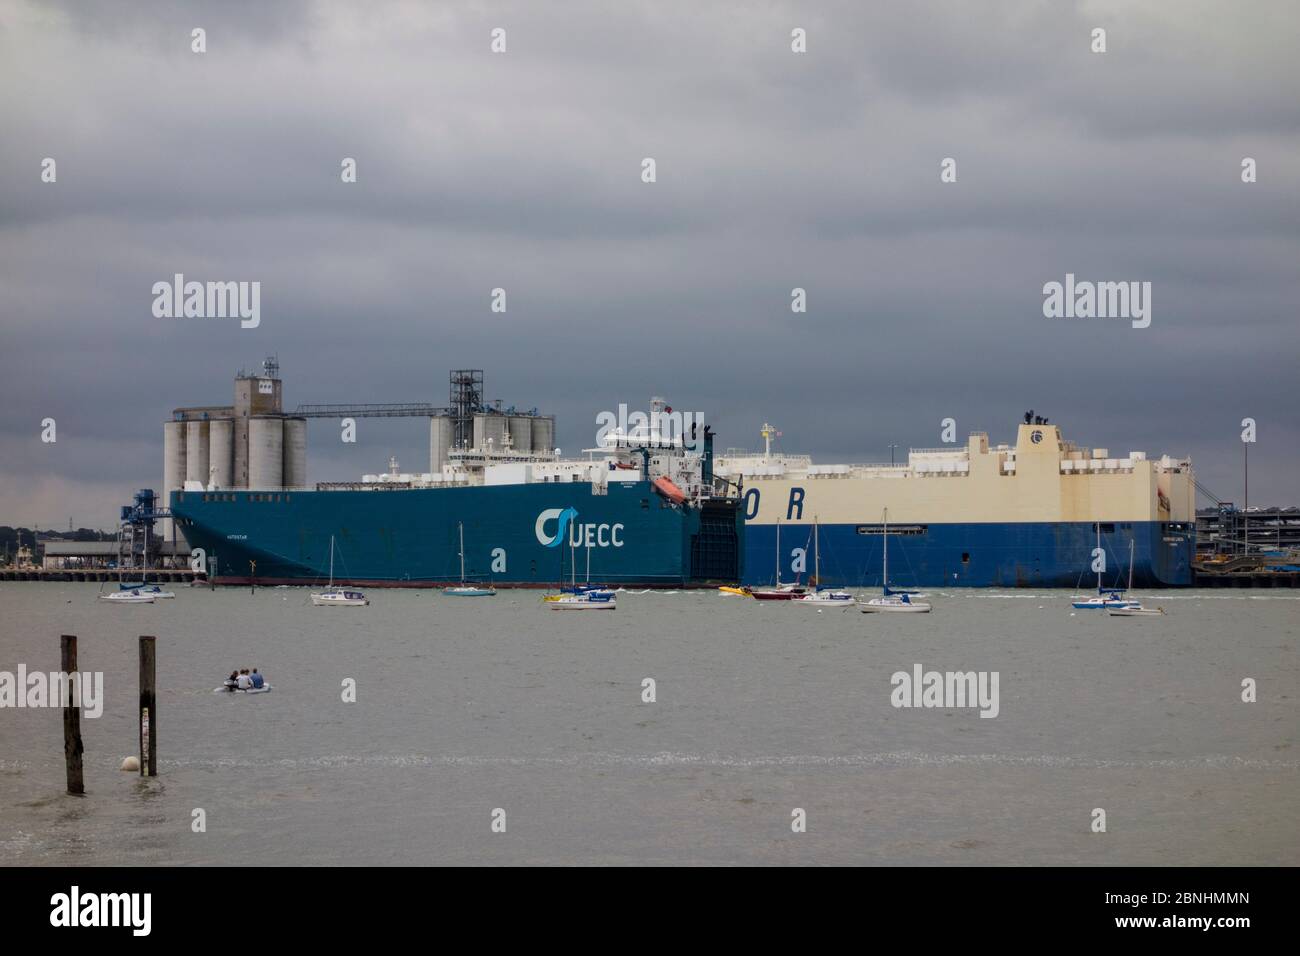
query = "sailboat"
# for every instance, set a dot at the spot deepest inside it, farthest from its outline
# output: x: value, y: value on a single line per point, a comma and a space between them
x: 1107, y: 598
x: 779, y: 591
x: 899, y: 602
x: 143, y: 586
x: 821, y: 597
x: 465, y: 589
x: 127, y: 593
x: 1134, y: 608
x: 338, y: 597
x: 588, y: 587
x: 131, y: 596
x: 581, y: 598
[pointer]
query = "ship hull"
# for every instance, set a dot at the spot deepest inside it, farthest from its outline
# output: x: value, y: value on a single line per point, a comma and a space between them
x: 526, y: 535
x: 1008, y: 555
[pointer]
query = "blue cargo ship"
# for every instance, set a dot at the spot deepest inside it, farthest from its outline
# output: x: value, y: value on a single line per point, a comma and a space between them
x: 526, y: 535
x: 642, y: 510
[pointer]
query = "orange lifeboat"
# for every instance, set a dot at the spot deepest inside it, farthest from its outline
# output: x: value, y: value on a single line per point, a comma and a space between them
x: 669, y: 490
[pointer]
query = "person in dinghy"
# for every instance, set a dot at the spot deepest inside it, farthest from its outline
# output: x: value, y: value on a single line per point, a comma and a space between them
x: 246, y: 681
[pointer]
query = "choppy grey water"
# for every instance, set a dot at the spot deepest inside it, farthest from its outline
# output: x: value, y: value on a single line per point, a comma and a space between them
x: 467, y: 705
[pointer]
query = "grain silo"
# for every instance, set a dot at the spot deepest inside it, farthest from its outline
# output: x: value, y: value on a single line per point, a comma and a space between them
x: 174, y: 442
x: 221, y: 452
x: 295, y: 453
x: 521, y: 433
x: 265, y: 453
x: 441, y: 433
x: 489, y: 431
x: 543, y: 435
x: 196, y: 452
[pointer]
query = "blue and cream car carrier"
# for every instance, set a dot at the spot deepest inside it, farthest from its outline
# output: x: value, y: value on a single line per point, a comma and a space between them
x: 972, y: 515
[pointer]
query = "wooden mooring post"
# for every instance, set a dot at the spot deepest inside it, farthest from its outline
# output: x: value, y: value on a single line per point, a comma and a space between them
x: 72, y: 748
x: 148, y: 710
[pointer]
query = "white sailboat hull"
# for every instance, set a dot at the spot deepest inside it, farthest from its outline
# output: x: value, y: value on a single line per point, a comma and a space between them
x: 571, y: 602
x: 888, y: 606
x: 837, y: 599
x: 127, y: 597
x: 336, y: 599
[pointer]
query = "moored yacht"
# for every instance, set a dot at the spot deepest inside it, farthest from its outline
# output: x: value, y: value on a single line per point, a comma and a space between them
x: 338, y: 597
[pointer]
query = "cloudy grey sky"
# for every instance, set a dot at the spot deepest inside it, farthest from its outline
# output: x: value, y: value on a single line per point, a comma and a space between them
x: 775, y: 170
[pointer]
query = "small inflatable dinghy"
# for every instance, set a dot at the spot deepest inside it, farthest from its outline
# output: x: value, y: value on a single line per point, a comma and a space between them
x: 264, y: 689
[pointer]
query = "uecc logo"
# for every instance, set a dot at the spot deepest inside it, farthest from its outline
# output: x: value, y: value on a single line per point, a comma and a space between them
x: 580, y: 535
x: 564, y: 516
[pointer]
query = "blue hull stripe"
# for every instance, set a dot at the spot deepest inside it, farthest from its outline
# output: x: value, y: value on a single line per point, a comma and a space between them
x: 977, y: 555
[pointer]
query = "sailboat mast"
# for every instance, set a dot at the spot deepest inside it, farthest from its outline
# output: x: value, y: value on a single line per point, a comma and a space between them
x: 884, y: 572
x: 462, y: 551
x: 776, y: 558
x: 331, y: 561
x: 1099, y: 548
x: 817, y: 555
x: 1131, y: 543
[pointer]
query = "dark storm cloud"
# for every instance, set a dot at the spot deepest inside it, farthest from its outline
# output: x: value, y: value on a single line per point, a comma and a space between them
x: 775, y: 171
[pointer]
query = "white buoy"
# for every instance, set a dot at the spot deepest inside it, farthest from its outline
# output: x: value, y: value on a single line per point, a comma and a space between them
x: 131, y: 764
